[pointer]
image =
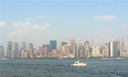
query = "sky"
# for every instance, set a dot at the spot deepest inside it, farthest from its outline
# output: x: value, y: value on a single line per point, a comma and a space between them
x: 39, y: 21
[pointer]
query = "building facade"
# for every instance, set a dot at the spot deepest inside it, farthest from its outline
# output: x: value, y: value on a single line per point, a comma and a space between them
x: 53, y: 45
x: 9, y: 49
x: 114, y: 49
x: 1, y: 51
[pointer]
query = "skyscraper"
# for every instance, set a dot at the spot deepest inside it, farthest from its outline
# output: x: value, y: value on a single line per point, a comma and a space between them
x: 31, y: 47
x: 23, y: 45
x: 106, y: 53
x: 1, y: 51
x: 96, y: 51
x: 72, y: 44
x: 63, y: 43
x: 87, y: 49
x: 45, y: 50
x: 15, y: 50
x: 87, y: 46
x: 53, y: 45
x: 78, y: 48
x: 114, y: 49
x: 121, y: 48
x: 9, y: 49
x: 91, y: 47
x: 30, y: 50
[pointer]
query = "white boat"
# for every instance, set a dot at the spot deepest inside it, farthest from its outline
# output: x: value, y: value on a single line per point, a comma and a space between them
x: 79, y: 63
x: 3, y: 58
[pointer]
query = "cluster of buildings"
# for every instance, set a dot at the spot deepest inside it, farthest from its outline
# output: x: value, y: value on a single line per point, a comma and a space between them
x: 71, y: 49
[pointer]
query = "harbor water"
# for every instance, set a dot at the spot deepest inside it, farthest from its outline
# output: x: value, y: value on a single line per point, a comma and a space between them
x: 62, y: 68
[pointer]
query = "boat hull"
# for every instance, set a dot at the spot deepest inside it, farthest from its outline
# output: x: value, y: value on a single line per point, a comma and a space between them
x: 79, y: 65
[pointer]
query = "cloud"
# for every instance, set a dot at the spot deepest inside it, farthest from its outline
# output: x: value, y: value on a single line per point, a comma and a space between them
x: 2, y: 24
x: 105, y: 17
x: 26, y: 28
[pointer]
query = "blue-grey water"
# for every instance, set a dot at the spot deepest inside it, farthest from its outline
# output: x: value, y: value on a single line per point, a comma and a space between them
x: 61, y: 68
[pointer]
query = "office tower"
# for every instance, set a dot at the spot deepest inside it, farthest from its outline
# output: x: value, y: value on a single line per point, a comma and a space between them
x: 53, y: 45
x: 87, y: 49
x: 63, y: 43
x: 78, y: 48
x: 30, y: 50
x: 91, y: 46
x: 121, y: 48
x: 45, y: 50
x: 116, y: 49
x: 102, y: 51
x: 65, y: 50
x: 111, y: 49
x: 72, y: 48
x: 9, y: 49
x: 106, y: 53
x: 1, y: 51
x: 114, y: 52
x: 96, y: 51
x: 87, y: 46
x: 15, y: 50
x: 31, y: 47
x: 23, y: 45
x: 40, y: 52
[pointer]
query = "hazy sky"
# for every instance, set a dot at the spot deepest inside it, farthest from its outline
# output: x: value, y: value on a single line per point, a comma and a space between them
x: 41, y: 21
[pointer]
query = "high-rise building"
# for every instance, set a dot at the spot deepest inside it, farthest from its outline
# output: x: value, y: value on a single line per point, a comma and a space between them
x: 1, y: 51
x: 9, y: 49
x: 106, y: 53
x: 102, y: 51
x: 114, y: 49
x: 40, y: 52
x: 45, y: 50
x: 23, y: 45
x: 30, y: 50
x: 91, y: 47
x: 53, y: 45
x: 96, y: 51
x: 78, y: 48
x: 87, y: 46
x: 31, y: 47
x: 72, y: 45
x: 121, y: 48
x: 63, y: 43
x: 87, y: 49
x: 15, y: 50
x: 111, y: 49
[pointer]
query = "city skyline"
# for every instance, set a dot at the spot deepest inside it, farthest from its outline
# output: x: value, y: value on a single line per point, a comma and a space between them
x: 41, y: 21
x: 70, y: 49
